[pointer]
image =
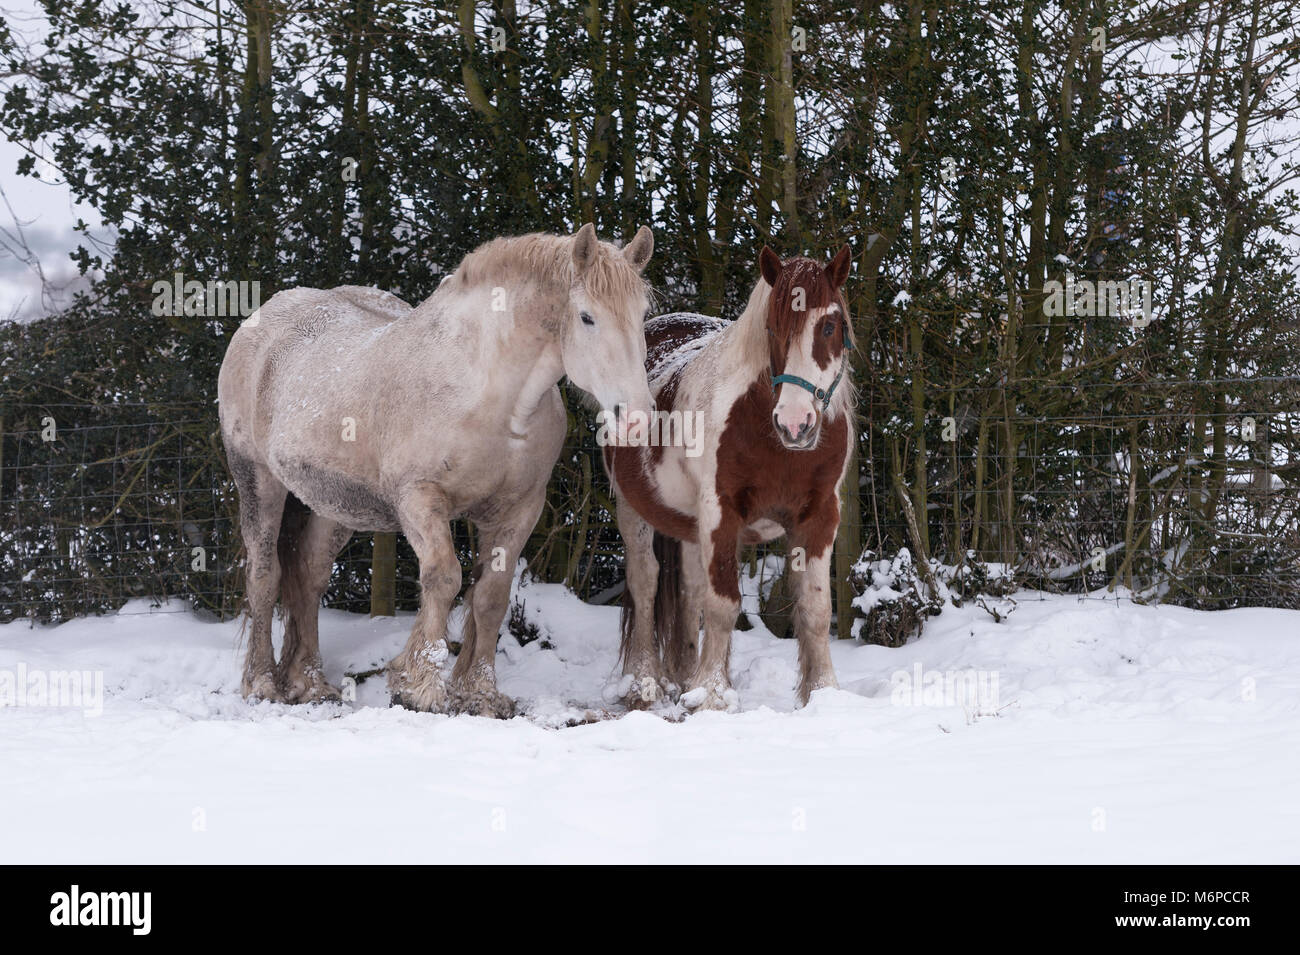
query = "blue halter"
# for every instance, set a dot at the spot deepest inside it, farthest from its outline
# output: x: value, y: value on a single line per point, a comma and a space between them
x: 823, y: 396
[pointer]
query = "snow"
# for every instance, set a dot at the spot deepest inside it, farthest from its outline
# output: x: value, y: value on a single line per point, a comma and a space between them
x: 1066, y: 571
x: 1121, y: 733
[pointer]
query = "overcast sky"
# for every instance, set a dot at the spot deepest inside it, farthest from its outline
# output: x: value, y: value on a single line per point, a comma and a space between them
x: 44, y: 211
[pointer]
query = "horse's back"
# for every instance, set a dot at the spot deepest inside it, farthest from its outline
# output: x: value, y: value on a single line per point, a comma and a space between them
x: 288, y: 331
x: 298, y: 316
x: 309, y: 312
x: 673, y: 339
x: 375, y: 304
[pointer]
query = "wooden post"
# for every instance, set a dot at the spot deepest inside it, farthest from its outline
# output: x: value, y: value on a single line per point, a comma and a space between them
x: 777, y: 612
x: 579, y: 545
x: 383, y: 576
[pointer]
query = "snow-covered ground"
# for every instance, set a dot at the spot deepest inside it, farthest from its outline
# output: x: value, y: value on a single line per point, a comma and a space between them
x: 1089, y: 732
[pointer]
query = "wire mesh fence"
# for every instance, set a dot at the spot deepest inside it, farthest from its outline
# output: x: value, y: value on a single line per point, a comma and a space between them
x: 131, y: 506
x: 1157, y: 490
x: 1123, y: 500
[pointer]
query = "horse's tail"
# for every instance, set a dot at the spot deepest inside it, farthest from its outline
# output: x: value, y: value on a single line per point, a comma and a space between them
x: 677, y: 636
x: 627, y: 623
x: 674, y: 637
x: 293, y: 586
x: 469, y: 629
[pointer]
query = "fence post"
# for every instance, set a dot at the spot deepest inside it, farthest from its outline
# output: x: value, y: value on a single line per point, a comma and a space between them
x: 777, y: 612
x: 383, y: 576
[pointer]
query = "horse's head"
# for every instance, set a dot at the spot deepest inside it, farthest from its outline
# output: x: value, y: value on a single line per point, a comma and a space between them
x: 603, y: 344
x: 809, y: 331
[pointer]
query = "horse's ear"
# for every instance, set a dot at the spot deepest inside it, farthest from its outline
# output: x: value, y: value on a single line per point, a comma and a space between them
x: 584, y: 248
x: 838, y: 270
x: 641, y: 247
x: 769, y: 263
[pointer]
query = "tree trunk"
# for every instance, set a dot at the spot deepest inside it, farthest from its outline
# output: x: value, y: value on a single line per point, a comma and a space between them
x: 383, y: 576
x: 781, y: 90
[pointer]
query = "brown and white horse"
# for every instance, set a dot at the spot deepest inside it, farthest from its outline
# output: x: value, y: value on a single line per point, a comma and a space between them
x: 771, y: 399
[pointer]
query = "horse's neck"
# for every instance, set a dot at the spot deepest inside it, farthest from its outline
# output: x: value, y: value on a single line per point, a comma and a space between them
x: 545, y: 371
x: 516, y: 359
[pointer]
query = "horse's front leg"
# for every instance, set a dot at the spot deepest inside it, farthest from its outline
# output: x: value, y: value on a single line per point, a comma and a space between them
x: 473, y: 682
x: 640, y: 654
x: 810, y: 574
x: 709, y: 687
x: 415, y: 674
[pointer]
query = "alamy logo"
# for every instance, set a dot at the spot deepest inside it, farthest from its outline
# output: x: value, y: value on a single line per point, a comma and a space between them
x: 103, y: 908
x: 975, y: 691
x: 72, y: 689
x: 214, y: 299
x: 1129, y: 301
x: 654, y: 429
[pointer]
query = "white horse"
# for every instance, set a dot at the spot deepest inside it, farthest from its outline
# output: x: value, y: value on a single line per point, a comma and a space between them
x: 349, y: 410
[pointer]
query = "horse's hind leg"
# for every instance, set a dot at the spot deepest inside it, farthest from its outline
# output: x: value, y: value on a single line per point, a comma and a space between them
x: 415, y: 675
x: 261, y: 505
x: 306, y: 562
x: 473, y: 682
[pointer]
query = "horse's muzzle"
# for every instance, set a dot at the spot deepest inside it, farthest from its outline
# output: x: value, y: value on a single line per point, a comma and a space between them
x: 805, y: 439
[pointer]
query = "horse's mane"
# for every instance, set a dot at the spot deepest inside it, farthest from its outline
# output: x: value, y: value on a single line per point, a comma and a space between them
x: 610, y: 279
x: 746, y: 337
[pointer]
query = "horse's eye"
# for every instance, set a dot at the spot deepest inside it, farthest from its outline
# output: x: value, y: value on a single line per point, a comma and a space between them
x: 586, y: 319
x: 828, y: 329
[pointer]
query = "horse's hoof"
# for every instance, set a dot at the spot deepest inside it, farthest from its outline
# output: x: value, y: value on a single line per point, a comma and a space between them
x: 316, y: 692
x: 423, y: 702
x: 648, y: 692
x: 811, y: 685
x: 489, y: 703
x: 305, y: 683
x: 261, y: 688
x: 711, y: 696
x: 427, y: 696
